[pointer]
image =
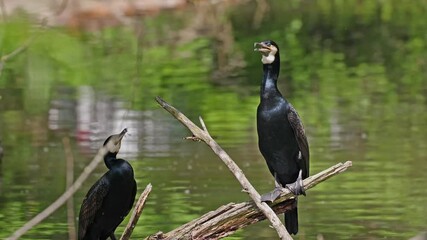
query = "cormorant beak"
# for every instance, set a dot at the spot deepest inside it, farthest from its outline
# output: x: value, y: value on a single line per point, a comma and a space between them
x: 117, y: 139
x: 262, y: 48
x: 114, y: 142
x: 122, y: 134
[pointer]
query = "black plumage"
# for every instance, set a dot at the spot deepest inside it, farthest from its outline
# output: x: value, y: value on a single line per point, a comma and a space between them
x: 111, y: 198
x: 281, y: 136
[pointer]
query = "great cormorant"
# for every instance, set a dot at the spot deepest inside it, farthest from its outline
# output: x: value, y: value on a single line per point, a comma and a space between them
x: 281, y: 135
x: 110, y: 199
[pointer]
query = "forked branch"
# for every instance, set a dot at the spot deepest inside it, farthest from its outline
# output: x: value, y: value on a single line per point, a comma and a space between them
x: 231, y: 217
x: 204, y: 135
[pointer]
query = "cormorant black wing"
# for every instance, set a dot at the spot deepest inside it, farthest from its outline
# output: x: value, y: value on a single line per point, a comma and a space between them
x: 91, y: 204
x: 301, y: 138
x: 133, y: 197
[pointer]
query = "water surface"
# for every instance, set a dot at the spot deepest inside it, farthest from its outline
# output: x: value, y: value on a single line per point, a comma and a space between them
x: 355, y: 71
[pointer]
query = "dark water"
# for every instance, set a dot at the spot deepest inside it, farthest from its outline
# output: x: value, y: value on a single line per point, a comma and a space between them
x: 355, y: 71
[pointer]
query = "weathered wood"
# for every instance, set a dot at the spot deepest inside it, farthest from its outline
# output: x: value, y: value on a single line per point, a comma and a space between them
x: 228, y: 218
x: 69, y: 181
x: 137, y: 211
x: 204, y: 135
x: 231, y: 217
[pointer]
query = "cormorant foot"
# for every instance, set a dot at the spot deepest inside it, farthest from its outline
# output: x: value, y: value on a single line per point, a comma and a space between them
x: 297, y: 188
x: 271, y: 196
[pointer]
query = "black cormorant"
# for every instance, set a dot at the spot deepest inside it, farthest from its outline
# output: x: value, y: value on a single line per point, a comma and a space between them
x: 281, y: 135
x: 110, y: 199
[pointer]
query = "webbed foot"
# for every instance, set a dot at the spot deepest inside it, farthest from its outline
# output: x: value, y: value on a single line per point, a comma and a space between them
x: 271, y: 196
x: 297, y: 188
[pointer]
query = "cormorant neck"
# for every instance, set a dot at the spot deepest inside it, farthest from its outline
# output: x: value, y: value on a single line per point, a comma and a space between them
x: 269, y: 82
x: 109, y: 159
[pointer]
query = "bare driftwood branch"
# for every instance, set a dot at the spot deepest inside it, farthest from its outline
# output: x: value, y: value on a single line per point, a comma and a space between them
x: 63, y: 198
x: 237, y: 172
x: 69, y: 181
x: 228, y: 218
x: 231, y: 217
x: 136, y: 213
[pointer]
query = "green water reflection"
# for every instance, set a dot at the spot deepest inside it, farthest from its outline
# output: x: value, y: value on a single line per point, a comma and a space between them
x: 355, y: 70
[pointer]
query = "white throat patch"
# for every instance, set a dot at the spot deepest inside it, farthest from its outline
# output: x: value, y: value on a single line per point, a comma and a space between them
x: 268, y: 59
x: 114, y: 148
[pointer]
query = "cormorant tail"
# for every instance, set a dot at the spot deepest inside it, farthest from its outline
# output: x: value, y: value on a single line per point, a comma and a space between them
x: 291, y: 221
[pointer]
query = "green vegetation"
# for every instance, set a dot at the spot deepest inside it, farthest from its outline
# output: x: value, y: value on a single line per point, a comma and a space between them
x: 355, y: 71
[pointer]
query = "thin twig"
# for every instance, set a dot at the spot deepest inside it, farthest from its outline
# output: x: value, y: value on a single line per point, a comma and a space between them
x: 22, y: 48
x: 29, y: 41
x: 18, y: 50
x: 136, y: 213
x: 63, y: 198
x: 237, y: 172
x: 203, y: 125
x: 15, y: 52
x: 69, y: 181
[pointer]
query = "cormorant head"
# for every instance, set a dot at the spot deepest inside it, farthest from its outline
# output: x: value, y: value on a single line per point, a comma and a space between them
x: 113, y: 142
x: 268, y: 49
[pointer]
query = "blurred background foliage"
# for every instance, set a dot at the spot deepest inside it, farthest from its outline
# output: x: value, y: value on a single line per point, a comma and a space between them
x: 356, y: 71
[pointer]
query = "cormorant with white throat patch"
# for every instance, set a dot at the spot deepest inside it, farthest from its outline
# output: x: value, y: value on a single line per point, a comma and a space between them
x: 281, y: 135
